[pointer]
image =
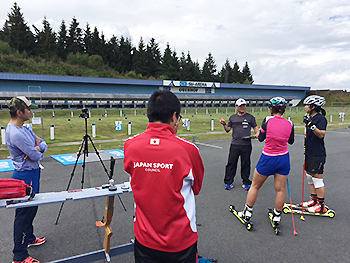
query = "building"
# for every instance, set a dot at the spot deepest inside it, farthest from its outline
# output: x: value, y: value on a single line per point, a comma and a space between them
x: 51, y: 91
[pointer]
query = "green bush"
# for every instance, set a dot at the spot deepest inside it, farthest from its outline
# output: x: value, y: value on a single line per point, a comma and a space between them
x: 5, y: 48
x: 95, y: 62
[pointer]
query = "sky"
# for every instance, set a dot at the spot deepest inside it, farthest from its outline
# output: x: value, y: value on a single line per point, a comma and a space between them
x: 285, y: 42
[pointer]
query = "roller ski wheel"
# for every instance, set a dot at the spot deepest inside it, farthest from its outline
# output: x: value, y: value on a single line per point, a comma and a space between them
x: 275, y: 226
x: 248, y: 224
x: 287, y: 210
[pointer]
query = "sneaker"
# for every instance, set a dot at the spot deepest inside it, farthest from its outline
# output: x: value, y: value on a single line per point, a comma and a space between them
x: 228, y: 186
x: 37, y: 242
x: 318, y: 208
x: 246, y: 187
x: 309, y: 203
x: 27, y: 260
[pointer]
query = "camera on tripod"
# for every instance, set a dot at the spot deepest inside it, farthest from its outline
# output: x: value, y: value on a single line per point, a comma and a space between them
x: 84, y: 113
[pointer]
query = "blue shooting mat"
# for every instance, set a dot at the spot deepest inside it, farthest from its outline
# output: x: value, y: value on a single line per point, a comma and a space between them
x: 66, y: 159
x: 6, y: 165
x: 118, y: 153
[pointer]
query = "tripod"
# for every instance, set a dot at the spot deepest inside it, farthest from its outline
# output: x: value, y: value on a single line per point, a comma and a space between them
x: 84, y: 148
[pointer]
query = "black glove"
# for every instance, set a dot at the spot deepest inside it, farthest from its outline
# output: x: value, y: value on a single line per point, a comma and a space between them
x: 308, y: 122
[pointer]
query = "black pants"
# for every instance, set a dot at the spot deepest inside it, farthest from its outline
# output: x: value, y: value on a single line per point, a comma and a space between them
x: 236, y: 151
x: 147, y: 255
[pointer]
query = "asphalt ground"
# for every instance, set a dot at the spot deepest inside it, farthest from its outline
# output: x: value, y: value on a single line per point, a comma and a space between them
x: 221, y: 235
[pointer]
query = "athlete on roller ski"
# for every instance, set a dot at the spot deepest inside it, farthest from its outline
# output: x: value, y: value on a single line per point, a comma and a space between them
x: 315, y: 158
x: 274, y: 160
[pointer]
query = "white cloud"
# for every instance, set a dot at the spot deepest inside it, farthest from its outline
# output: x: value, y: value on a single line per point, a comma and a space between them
x: 285, y: 42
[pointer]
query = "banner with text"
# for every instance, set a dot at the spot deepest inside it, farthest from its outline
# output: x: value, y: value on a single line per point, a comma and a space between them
x: 176, y: 86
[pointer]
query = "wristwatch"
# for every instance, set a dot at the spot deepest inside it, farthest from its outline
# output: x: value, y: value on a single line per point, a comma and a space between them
x: 313, y: 127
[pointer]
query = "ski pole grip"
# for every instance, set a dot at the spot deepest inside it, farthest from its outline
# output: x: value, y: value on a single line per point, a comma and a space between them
x: 111, y: 167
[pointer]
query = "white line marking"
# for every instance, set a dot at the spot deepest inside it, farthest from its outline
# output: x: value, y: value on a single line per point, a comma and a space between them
x: 209, y: 145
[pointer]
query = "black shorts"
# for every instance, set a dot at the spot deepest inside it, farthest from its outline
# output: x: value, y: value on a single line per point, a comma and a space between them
x: 314, y: 164
x: 147, y: 255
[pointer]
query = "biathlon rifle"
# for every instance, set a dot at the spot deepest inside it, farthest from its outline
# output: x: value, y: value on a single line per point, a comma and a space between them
x: 109, y: 209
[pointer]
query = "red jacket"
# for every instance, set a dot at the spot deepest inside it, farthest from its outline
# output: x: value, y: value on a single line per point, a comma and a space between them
x: 166, y: 173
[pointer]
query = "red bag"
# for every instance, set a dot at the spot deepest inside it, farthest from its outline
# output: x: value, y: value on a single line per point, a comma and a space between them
x: 13, y: 188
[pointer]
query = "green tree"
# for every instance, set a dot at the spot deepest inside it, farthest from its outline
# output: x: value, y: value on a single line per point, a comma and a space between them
x: 62, y: 51
x: 45, y: 41
x: 87, y: 40
x: 111, y: 50
x: 153, y: 58
x: 139, y: 59
x: 170, y: 64
x: 226, y: 72
x: 189, y: 70
x: 125, y: 55
x: 236, y: 74
x: 96, y: 43
x: 209, y: 69
x: 16, y: 32
x: 247, y: 76
x: 75, y: 38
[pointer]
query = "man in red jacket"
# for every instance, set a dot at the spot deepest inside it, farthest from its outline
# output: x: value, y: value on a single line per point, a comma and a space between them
x: 166, y: 174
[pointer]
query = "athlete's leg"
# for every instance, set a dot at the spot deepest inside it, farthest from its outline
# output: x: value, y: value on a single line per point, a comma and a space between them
x: 280, y: 187
x: 258, y: 181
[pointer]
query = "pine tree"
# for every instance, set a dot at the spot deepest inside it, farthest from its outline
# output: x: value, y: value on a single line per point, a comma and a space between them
x: 16, y: 32
x: 189, y: 69
x: 125, y: 55
x: 96, y: 43
x: 45, y: 41
x: 139, y: 59
x: 209, y: 69
x: 247, y: 76
x: 87, y: 40
x: 226, y: 72
x: 236, y: 74
x: 75, y: 39
x: 62, y: 41
x: 170, y: 64
x: 153, y: 59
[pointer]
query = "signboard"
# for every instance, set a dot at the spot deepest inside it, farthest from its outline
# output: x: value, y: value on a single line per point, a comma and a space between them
x: 36, y: 120
x: 190, y: 86
x: 118, y: 125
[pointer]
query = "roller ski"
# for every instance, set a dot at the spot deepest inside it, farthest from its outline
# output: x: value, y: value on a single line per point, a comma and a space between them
x: 274, y: 220
x: 243, y: 217
x: 312, y: 210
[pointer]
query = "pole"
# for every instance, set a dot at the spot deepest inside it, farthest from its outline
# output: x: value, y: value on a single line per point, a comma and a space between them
x: 3, y: 132
x: 291, y: 208
x: 129, y: 128
x: 93, y: 130
x: 302, y: 193
x: 52, y: 132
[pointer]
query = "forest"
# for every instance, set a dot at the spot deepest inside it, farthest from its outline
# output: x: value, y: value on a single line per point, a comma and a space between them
x: 77, y: 51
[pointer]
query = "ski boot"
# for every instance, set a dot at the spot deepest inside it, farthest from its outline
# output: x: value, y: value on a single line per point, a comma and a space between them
x: 275, y: 219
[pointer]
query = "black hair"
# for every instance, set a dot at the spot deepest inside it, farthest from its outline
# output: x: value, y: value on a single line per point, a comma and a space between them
x: 13, y: 113
x: 161, y: 106
x: 318, y: 109
x: 278, y: 109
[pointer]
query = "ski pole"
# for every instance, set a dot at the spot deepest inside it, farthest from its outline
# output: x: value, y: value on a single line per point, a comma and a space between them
x: 302, y: 194
x: 291, y: 208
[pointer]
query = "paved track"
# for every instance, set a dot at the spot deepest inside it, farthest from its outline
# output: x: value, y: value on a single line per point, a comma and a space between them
x: 221, y: 235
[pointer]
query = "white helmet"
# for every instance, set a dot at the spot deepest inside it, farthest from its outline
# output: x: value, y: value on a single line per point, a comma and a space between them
x: 315, y: 100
